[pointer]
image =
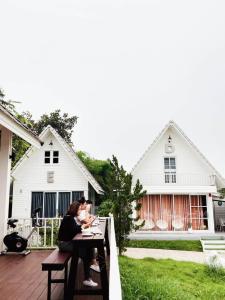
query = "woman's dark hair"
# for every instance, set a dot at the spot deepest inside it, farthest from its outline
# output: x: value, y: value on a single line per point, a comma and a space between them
x: 73, y: 209
x: 82, y: 200
x: 89, y: 202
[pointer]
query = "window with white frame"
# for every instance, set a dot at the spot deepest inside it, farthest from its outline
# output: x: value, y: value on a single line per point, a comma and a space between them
x: 199, y: 214
x: 170, y: 177
x: 54, y: 203
x: 170, y: 169
x: 169, y: 163
x: 51, y: 157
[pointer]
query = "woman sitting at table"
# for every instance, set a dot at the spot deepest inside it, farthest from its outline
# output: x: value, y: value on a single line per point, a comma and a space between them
x: 68, y: 229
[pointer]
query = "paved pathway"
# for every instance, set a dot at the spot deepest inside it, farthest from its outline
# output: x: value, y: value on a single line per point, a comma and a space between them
x: 197, y: 257
x: 151, y: 235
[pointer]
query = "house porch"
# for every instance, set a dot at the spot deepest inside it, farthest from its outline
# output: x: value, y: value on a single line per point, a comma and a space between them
x: 192, y: 213
x: 22, y: 278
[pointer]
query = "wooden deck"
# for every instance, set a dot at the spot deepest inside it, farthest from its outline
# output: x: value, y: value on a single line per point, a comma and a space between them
x: 22, y: 278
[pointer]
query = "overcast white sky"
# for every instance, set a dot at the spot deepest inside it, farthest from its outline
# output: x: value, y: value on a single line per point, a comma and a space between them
x: 124, y: 67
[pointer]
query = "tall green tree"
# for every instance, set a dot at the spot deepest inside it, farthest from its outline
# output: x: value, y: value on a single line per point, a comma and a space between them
x: 9, y: 104
x: 100, y: 169
x: 20, y: 146
x: 62, y: 123
x: 122, y: 199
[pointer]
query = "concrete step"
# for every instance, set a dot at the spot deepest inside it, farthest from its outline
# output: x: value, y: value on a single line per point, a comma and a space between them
x: 214, y: 242
x: 214, y: 247
x: 217, y: 250
x: 209, y: 238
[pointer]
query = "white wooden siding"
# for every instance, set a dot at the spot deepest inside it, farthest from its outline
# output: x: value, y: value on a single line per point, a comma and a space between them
x: 191, y: 170
x: 32, y: 176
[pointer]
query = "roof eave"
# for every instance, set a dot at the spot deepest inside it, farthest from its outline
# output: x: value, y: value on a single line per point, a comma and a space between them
x: 10, y: 122
x: 74, y: 156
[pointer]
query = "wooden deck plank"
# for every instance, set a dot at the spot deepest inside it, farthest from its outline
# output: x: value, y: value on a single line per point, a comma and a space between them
x: 22, y: 275
x: 22, y: 278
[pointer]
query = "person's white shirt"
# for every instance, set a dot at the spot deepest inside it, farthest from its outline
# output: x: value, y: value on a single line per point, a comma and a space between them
x: 81, y: 217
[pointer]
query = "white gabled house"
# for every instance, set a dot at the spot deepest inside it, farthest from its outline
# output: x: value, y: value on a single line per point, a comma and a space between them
x: 51, y: 178
x: 182, y: 186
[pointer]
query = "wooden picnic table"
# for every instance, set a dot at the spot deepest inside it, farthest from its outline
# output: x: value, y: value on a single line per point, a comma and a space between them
x: 95, y: 241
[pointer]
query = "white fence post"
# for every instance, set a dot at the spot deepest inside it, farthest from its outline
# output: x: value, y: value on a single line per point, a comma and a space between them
x: 114, y: 272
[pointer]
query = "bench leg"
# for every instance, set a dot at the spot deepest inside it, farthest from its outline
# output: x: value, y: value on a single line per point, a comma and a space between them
x: 72, y: 277
x: 49, y: 284
x: 65, y: 280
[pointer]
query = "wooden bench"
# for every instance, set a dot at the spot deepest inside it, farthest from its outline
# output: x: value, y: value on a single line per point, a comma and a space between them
x: 56, y: 261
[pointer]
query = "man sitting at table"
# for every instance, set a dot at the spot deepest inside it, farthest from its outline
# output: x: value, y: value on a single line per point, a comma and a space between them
x: 82, y: 218
x: 84, y: 215
x: 68, y: 229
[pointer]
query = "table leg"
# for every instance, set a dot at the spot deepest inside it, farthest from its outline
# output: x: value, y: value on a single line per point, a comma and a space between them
x: 103, y: 273
x: 72, y: 278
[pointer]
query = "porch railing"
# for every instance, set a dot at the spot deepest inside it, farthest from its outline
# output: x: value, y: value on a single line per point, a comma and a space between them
x: 44, y: 237
x: 184, y: 179
x: 114, y: 273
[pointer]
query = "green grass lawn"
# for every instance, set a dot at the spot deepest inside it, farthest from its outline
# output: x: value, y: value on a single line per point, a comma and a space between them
x: 172, y: 245
x: 150, y: 279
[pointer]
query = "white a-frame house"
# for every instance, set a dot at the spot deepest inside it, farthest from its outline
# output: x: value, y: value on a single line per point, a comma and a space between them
x: 51, y: 178
x: 182, y: 186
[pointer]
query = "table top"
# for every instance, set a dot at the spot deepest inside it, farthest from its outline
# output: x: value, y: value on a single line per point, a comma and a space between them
x: 95, y: 237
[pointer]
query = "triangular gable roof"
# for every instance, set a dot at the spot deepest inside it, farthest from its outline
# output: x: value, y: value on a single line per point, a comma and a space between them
x: 72, y: 154
x: 172, y: 124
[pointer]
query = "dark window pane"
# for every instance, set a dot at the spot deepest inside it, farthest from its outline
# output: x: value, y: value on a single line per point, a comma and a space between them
x: 205, y: 214
x: 64, y: 202
x: 76, y: 195
x: 166, y: 163
x: 36, y: 202
x: 47, y: 160
x: 56, y: 153
x: 55, y: 160
x: 47, y: 153
x: 205, y: 227
x: 50, y: 205
x: 203, y: 200
x: 172, y: 163
x: 167, y: 178
x: 173, y: 178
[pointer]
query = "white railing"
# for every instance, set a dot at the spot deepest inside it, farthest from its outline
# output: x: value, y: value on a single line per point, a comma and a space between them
x: 183, y: 179
x: 115, y: 291
x: 44, y: 237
